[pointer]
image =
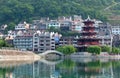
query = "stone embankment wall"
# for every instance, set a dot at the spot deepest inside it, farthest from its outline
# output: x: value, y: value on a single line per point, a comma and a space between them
x: 17, y: 55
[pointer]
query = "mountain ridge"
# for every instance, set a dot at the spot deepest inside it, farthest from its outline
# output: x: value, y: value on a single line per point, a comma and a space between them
x: 14, y: 11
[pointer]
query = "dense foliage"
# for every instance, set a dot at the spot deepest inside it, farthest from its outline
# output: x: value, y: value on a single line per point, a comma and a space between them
x: 115, y: 50
x: 94, y: 49
x: 105, y: 48
x: 25, y: 10
x: 3, y: 43
x: 68, y: 49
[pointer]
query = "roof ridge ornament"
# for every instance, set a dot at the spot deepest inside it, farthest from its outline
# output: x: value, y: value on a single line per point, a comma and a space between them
x: 88, y: 18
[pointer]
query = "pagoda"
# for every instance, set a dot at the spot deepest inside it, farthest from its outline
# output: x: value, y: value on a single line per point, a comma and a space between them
x: 88, y: 35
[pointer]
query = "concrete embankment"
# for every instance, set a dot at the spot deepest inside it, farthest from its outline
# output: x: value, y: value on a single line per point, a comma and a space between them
x: 9, y: 55
x: 103, y: 55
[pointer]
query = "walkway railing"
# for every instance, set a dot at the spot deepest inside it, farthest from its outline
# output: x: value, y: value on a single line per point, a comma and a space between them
x: 9, y: 48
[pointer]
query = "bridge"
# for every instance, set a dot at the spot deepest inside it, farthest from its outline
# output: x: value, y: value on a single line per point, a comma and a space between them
x: 51, y: 52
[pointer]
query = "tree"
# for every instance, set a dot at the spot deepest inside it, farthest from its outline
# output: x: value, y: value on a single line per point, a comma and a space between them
x: 68, y: 49
x: 94, y: 49
x: 2, y: 43
x: 115, y: 50
x: 24, y: 10
x: 105, y: 48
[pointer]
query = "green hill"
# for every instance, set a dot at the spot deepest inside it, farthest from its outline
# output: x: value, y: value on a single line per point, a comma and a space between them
x: 14, y: 11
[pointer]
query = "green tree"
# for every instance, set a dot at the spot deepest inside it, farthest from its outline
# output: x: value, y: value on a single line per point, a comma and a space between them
x: 94, y: 49
x: 115, y: 50
x: 105, y: 48
x: 24, y: 10
x: 2, y: 43
x: 68, y: 49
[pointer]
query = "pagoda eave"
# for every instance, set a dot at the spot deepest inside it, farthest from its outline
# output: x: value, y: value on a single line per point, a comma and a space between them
x: 89, y: 38
x: 86, y: 45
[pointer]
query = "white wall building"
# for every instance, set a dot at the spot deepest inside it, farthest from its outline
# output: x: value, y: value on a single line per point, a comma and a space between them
x: 54, y: 23
x: 43, y: 41
x: 22, y: 26
x: 23, y: 42
x: 116, y: 30
x: 11, y: 34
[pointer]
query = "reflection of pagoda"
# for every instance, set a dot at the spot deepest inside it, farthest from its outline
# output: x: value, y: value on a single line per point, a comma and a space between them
x: 88, y: 35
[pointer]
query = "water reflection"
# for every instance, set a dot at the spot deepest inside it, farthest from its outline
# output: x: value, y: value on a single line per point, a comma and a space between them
x: 63, y: 69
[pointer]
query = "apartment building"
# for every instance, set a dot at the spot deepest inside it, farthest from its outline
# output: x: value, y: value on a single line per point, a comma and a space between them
x: 106, y: 40
x: 115, y: 29
x: 54, y: 23
x: 22, y: 26
x: 23, y: 42
x: 68, y: 41
x: 43, y: 41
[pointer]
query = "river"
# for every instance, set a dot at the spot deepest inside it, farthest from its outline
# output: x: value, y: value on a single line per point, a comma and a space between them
x: 67, y: 68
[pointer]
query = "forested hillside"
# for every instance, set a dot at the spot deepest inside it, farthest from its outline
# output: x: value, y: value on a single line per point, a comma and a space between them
x: 14, y: 11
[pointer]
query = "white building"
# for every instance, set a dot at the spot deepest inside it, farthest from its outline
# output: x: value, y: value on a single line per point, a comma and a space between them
x: 23, y: 42
x: 54, y: 23
x: 116, y: 30
x: 43, y: 41
x: 11, y: 34
x: 22, y: 26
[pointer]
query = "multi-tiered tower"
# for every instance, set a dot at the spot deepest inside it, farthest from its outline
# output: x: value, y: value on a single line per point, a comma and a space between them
x: 88, y: 35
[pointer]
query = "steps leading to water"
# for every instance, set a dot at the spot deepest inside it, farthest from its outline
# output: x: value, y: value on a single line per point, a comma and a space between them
x: 17, y: 55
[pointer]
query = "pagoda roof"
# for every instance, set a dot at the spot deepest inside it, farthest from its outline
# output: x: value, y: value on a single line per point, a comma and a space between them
x: 88, y: 20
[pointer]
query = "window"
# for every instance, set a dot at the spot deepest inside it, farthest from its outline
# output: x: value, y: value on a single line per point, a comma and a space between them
x: 35, y: 42
x: 35, y: 46
x: 36, y: 38
x: 52, y: 46
x: 52, y: 39
x: 41, y: 49
x: 47, y: 40
x: 41, y: 40
x: 116, y: 29
x: 47, y: 44
x: 35, y: 49
x: 47, y: 37
x: 42, y: 37
x: 52, y: 43
x: 41, y: 44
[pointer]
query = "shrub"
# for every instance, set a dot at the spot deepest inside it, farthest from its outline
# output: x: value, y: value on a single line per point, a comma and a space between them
x: 68, y: 49
x: 105, y: 48
x: 115, y: 50
x: 94, y: 49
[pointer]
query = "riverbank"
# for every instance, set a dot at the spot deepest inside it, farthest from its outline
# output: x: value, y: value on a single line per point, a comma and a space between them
x: 16, y: 55
x: 103, y: 55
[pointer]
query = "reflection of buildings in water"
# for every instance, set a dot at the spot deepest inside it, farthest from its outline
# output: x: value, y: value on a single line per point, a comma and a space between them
x: 85, y: 71
x: 82, y: 70
x: 23, y: 71
x: 35, y: 70
x: 41, y: 70
x: 6, y: 73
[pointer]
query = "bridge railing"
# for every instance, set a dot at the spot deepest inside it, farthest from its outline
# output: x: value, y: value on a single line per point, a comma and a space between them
x: 51, y: 51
